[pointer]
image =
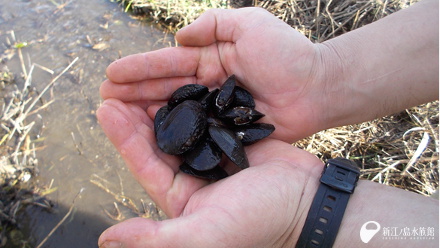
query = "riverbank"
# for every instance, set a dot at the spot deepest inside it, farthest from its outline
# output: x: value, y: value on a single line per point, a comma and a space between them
x: 317, y: 20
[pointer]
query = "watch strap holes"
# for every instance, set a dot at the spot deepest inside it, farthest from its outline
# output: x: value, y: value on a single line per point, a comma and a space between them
x: 314, y: 242
x: 323, y: 220
x: 332, y: 198
x: 318, y: 231
x: 327, y: 208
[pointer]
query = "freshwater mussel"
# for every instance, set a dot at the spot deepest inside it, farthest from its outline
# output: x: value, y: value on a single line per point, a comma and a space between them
x: 200, y: 125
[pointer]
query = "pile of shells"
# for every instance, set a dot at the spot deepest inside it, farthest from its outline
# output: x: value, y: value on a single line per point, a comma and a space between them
x: 200, y: 125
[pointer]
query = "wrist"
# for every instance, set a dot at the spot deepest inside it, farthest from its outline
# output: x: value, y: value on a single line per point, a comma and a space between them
x: 337, y: 183
x: 390, y: 207
x: 381, y: 68
x: 300, y: 203
x: 307, y: 196
x: 335, y: 96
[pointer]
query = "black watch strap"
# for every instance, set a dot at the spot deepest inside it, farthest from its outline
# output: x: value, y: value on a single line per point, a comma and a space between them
x: 338, y: 181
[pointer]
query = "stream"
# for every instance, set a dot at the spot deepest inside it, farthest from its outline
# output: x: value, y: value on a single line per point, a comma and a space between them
x: 76, y: 155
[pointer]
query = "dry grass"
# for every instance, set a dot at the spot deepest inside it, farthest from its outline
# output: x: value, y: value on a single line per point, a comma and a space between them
x: 318, y: 20
x: 171, y: 15
x: 400, y: 150
x: 19, y: 141
x: 321, y: 21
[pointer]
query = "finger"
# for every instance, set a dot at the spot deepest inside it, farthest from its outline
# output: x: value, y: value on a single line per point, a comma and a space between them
x: 151, y: 111
x: 219, y: 25
x: 151, y: 90
x: 189, y: 231
x: 167, y: 62
x: 130, y: 130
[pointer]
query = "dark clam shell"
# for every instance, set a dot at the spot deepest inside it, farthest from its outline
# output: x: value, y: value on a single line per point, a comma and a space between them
x: 225, y: 96
x: 216, y: 122
x: 182, y: 128
x: 199, y: 126
x: 161, y: 114
x: 252, y: 133
x: 243, y: 98
x: 230, y: 145
x: 241, y: 115
x: 216, y: 173
x: 187, y: 92
x: 205, y: 156
x: 207, y: 99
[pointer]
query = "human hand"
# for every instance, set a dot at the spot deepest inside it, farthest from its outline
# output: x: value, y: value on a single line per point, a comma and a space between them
x: 277, y: 64
x: 262, y: 206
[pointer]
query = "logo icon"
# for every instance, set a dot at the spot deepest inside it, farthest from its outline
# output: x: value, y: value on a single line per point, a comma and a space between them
x: 367, y: 234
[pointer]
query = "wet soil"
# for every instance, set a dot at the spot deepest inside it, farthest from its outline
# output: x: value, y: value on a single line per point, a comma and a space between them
x: 76, y: 153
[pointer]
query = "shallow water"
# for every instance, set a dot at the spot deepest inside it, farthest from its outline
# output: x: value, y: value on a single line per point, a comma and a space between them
x: 76, y: 151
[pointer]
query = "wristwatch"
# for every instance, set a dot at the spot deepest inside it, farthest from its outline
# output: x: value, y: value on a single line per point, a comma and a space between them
x: 338, y: 181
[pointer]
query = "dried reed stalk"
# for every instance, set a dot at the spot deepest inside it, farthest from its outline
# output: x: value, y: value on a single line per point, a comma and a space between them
x: 17, y: 144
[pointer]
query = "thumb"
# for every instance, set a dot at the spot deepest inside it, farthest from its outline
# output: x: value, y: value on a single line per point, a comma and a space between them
x: 217, y: 25
x: 202, y: 32
x: 188, y: 231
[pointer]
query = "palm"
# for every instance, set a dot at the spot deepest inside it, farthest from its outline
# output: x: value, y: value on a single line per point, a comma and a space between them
x: 130, y: 129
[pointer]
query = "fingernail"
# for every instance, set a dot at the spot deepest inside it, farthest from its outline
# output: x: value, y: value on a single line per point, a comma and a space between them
x: 111, y: 244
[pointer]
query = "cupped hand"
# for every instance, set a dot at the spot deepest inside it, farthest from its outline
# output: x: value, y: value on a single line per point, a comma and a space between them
x: 277, y: 64
x: 267, y: 195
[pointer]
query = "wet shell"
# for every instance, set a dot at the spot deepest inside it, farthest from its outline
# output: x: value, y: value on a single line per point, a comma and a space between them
x: 216, y: 173
x: 243, y: 98
x: 205, y: 156
x: 187, y: 92
x: 230, y: 145
x: 241, y: 115
x: 182, y: 128
x: 200, y: 125
x: 225, y: 96
x: 161, y: 114
x: 208, y: 99
x: 253, y: 133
